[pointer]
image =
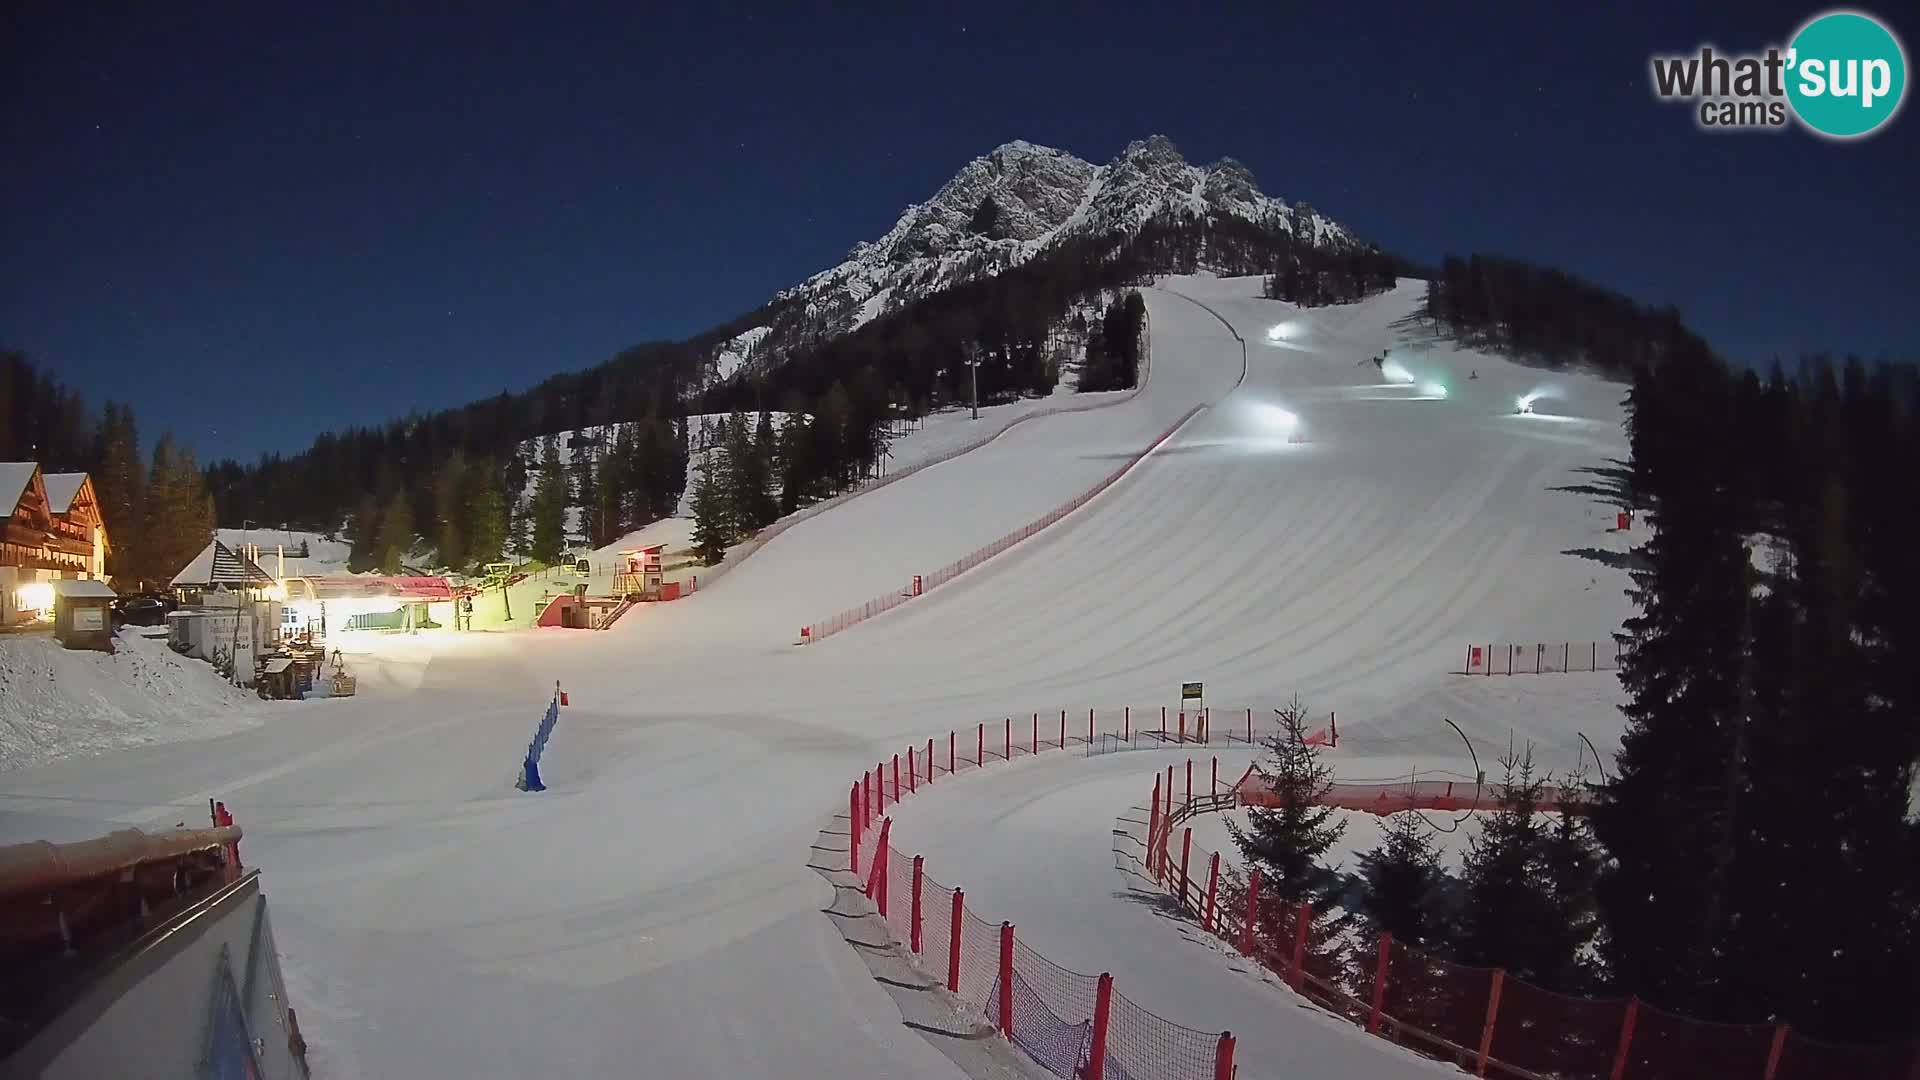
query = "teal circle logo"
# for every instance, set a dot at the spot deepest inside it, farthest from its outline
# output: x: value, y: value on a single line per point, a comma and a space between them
x: 1846, y: 74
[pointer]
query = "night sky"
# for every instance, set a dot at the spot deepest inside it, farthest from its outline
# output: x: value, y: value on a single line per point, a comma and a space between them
x: 261, y: 221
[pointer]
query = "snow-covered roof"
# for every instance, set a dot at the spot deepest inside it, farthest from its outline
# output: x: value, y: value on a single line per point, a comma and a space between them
x: 218, y: 565
x: 73, y: 588
x: 61, y: 488
x: 14, y: 478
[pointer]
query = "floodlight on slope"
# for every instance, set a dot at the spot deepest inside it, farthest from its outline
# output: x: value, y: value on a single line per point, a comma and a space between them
x: 1285, y: 331
x: 1433, y: 390
x: 1396, y: 372
x: 1278, y: 420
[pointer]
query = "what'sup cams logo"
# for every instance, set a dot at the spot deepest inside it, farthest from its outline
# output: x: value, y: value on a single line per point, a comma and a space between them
x: 1842, y: 76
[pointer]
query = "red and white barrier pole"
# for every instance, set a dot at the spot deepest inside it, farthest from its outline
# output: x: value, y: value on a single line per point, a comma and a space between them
x: 919, y: 875
x: 958, y: 917
x: 1626, y: 1039
x: 913, y: 774
x: 1036, y: 733
x: 1333, y: 726
x: 1009, y: 747
x: 1126, y: 723
x: 1380, y: 983
x: 1089, y: 726
x: 1775, y: 1051
x: 1186, y: 853
x: 1493, y: 1013
x: 930, y: 761
x: 1213, y: 890
x: 1189, y: 799
x: 854, y: 812
x: 1006, y: 979
x: 1163, y: 721
x: 1183, y: 725
x: 896, y: 778
x: 1223, y: 1057
x: 1213, y: 785
x: 1063, y: 729
x: 1153, y: 825
x: 1097, y: 1041
x: 980, y: 749
x: 1253, y: 913
x: 1249, y: 726
x: 951, y: 738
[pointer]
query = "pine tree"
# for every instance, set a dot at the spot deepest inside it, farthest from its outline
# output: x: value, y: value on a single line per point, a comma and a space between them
x: 485, y: 516
x: 547, y: 513
x: 1287, y: 840
x: 519, y: 531
x: 609, y: 512
x: 710, y: 527
x: 450, y: 512
x: 396, y: 532
x: 749, y: 476
x: 178, y: 516
x: 1514, y: 914
x: 363, y: 529
x: 796, y: 458
x: 1668, y: 814
x: 1402, y: 883
x: 586, y: 495
x: 122, y: 490
x: 736, y: 463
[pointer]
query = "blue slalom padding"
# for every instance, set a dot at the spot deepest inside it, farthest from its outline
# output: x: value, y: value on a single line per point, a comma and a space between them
x: 530, y: 768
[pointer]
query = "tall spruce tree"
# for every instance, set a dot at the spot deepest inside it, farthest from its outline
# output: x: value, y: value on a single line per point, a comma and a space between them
x: 738, y: 468
x: 547, y: 512
x: 1286, y: 840
x: 121, y: 488
x: 1513, y: 917
x: 1403, y: 884
x: 711, y: 531
x: 363, y: 531
x: 450, y: 491
x: 397, y: 535
x: 609, y: 514
x: 485, y: 515
x: 1668, y: 814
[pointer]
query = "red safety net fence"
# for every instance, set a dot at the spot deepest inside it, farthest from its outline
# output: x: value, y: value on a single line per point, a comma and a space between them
x: 1070, y: 1023
x: 1482, y: 1019
x: 922, y: 582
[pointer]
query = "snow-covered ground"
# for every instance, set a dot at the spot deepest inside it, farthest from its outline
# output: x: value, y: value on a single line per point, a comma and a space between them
x: 655, y: 905
x: 57, y: 702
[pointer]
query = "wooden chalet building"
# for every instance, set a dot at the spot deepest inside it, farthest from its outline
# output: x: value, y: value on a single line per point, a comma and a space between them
x: 53, y: 531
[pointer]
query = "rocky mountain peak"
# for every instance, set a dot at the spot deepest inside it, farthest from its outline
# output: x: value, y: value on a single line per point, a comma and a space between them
x: 1010, y: 204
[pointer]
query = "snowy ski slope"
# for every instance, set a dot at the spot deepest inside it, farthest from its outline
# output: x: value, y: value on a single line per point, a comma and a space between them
x: 653, y: 910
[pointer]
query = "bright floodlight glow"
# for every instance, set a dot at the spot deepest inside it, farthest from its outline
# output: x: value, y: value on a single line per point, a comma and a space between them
x: 1396, y: 372
x: 1525, y: 404
x: 1278, y: 419
x: 34, y: 596
x: 1281, y: 332
x: 1433, y: 389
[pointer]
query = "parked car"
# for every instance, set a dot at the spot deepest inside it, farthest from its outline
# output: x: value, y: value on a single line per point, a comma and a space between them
x: 145, y: 610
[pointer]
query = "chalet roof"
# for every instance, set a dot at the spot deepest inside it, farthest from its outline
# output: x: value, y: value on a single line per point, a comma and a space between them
x: 61, y: 489
x: 14, y: 478
x: 217, y: 564
x: 78, y: 588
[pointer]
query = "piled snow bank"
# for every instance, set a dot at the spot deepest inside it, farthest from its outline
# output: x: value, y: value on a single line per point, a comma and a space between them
x: 57, y: 702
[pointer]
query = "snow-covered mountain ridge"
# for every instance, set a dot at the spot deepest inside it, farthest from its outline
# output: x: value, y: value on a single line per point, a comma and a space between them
x: 1004, y: 208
